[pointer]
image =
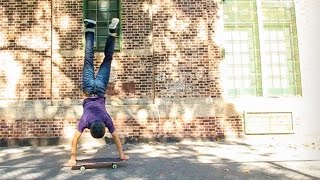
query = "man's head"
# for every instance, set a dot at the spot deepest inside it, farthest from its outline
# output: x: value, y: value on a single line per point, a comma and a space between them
x: 97, y: 129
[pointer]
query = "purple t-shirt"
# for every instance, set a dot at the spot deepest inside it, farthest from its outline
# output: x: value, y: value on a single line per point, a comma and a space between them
x: 94, y: 109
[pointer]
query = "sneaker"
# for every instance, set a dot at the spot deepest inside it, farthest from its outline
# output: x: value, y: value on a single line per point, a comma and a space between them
x: 88, y: 23
x: 114, y: 23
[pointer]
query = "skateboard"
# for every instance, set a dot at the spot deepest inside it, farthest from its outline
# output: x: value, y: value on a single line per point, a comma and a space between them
x: 96, y: 163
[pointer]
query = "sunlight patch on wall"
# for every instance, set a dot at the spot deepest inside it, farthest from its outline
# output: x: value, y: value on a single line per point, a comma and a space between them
x: 55, y: 40
x: 57, y: 58
x: 173, y: 66
x: 150, y: 8
x: 218, y: 34
x: 150, y: 38
x: 33, y: 42
x: 55, y: 86
x: 121, y: 116
x: 188, y: 115
x: 174, y: 111
x: 142, y: 116
x: 4, y: 40
x: 13, y: 71
x: 170, y: 44
x: 68, y: 131
x: 168, y: 126
x: 202, y: 30
x: 39, y: 109
x: 177, y: 24
x: 64, y: 22
x: 43, y: 9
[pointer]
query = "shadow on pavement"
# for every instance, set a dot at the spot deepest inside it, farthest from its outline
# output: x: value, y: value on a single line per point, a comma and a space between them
x: 183, y: 160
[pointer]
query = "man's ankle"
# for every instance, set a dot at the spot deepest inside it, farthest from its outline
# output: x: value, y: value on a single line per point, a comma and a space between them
x: 89, y: 30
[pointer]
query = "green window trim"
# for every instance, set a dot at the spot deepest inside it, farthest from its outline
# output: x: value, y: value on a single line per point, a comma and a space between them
x: 103, y: 11
x: 242, y: 69
x: 279, y: 18
x: 259, y: 19
x: 240, y: 17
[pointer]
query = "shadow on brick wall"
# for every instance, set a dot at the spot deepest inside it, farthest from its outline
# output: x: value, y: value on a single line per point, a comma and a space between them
x: 43, y: 61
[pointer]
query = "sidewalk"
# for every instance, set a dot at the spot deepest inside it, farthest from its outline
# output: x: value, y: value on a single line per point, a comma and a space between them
x: 240, y: 159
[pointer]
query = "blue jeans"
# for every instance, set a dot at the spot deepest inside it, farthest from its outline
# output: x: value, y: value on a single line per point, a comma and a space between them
x: 91, y: 84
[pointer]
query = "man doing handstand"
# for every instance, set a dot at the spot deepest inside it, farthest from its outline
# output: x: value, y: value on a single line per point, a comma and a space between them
x: 95, y: 116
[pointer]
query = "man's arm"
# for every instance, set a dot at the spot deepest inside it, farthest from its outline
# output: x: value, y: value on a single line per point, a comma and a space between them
x: 119, y: 146
x: 74, y: 144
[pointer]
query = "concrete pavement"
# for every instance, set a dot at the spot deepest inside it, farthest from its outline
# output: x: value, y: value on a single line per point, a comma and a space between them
x: 232, y: 159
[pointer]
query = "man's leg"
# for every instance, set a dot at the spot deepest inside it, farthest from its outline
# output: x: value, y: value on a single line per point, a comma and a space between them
x: 105, y: 68
x: 88, y: 68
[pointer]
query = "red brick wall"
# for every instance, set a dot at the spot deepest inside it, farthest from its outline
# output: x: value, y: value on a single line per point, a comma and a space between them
x: 168, y: 52
x: 181, y: 49
x: 208, y: 127
x: 214, y: 50
x: 67, y: 40
x: 137, y: 24
x: 131, y: 77
x: 26, y: 54
x: 32, y: 128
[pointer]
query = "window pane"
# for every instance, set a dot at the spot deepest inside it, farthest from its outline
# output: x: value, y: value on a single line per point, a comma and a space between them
x: 114, y: 14
x: 91, y: 14
x: 114, y: 4
x: 103, y: 5
x: 103, y: 24
x: 103, y: 16
x: 103, y: 31
x: 102, y: 11
x: 91, y: 4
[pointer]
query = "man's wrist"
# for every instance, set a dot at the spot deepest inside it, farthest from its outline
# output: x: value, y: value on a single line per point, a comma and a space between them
x: 73, y: 157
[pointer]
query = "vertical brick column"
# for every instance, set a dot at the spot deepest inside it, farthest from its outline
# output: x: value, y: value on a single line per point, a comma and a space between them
x: 213, y: 8
x: 67, y: 49
x: 132, y: 67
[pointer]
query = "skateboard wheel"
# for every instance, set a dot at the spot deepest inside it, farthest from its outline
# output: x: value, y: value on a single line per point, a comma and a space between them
x: 82, y: 168
x: 114, y: 166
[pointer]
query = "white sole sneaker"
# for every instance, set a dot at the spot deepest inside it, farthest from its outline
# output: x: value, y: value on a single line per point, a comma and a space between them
x: 90, y: 21
x: 114, y: 23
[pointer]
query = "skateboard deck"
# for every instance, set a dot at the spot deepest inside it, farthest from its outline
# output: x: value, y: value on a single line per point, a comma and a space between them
x: 96, y: 163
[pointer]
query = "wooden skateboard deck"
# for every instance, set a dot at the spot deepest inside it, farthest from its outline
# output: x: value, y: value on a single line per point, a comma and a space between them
x: 96, y: 163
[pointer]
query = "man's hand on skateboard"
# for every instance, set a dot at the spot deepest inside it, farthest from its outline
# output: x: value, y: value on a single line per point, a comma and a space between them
x: 72, y: 162
x: 124, y: 157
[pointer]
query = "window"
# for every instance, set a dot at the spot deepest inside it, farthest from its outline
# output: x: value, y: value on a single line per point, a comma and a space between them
x: 103, y: 11
x: 242, y: 73
x: 261, y: 49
